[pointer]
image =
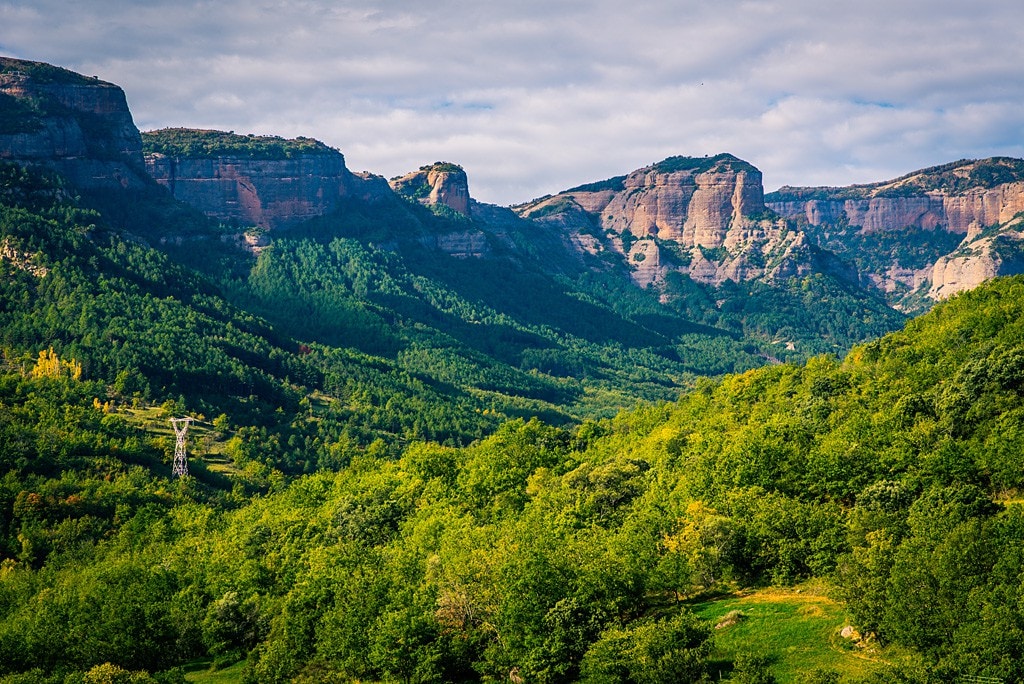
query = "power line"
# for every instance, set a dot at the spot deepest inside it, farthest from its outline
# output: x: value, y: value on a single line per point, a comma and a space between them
x: 180, y: 467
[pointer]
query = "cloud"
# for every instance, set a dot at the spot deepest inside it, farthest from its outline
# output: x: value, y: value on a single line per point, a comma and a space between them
x: 533, y: 96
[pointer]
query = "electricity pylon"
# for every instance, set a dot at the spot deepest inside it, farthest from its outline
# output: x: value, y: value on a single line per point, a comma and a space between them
x: 180, y: 467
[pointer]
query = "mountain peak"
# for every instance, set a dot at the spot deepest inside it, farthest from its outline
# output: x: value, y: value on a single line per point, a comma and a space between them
x: 77, y: 125
x: 438, y: 184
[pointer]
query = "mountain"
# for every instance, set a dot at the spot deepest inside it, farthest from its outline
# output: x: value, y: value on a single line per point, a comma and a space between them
x: 702, y: 217
x: 923, y: 236
x: 77, y: 125
x: 410, y: 458
x: 260, y: 181
x: 356, y: 323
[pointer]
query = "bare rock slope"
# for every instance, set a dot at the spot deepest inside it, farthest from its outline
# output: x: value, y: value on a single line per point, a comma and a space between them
x: 438, y: 184
x: 250, y: 180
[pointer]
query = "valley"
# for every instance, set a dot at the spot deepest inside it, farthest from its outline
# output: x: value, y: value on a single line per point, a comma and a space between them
x: 443, y: 440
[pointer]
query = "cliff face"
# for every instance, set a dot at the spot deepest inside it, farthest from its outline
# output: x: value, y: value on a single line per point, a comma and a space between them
x: 704, y: 217
x: 76, y: 125
x: 260, y: 181
x: 979, y: 258
x: 963, y: 199
x: 266, y: 193
x: 439, y: 184
x: 959, y: 213
x: 694, y: 207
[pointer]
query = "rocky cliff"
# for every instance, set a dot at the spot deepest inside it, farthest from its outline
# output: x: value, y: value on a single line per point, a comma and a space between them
x: 702, y: 216
x: 438, y: 184
x: 251, y: 180
x: 980, y: 257
x: 77, y: 125
x: 902, y: 232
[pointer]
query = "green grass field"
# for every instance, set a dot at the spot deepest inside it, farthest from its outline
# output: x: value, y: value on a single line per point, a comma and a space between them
x: 798, y: 629
x: 201, y: 673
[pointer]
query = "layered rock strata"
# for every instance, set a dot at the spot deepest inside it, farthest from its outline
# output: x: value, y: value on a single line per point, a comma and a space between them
x: 76, y: 125
x: 977, y: 199
x: 977, y: 259
x: 936, y: 209
x: 261, y: 181
x: 704, y: 217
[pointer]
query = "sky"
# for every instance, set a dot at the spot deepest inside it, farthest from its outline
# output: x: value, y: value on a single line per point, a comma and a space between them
x: 535, y: 96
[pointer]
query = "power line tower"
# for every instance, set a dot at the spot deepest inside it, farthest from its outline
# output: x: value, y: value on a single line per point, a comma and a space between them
x: 180, y: 467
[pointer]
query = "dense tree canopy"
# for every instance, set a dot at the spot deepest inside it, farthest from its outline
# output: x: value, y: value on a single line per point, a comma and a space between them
x: 419, y: 485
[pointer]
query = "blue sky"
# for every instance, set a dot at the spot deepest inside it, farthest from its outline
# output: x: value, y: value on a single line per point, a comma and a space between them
x: 532, y: 96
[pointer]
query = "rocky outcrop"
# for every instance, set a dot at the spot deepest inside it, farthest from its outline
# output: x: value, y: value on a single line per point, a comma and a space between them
x: 978, y: 208
x: 702, y: 216
x: 693, y: 207
x: 76, y: 125
x: 979, y: 259
x: 690, y: 200
x: 261, y: 181
x: 265, y: 193
x: 870, y: 215
x: 21, y: 259
x: 966, y: 198
x: 960, y: 213
x: 439, y: 184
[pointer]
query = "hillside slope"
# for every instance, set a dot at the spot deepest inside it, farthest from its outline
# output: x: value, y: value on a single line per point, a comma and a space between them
x: 567, y: 554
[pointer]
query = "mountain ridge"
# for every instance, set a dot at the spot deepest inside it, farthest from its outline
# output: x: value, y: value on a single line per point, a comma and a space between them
x: 977, y: 201
x: 706, y: 218
x: 436, y: 446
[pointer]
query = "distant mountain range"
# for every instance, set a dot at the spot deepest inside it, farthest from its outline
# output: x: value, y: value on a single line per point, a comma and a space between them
x: 791, y: 273
x: 413, y: 455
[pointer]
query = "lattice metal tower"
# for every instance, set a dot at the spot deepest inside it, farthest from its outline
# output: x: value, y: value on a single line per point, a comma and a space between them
x: 180, y: 467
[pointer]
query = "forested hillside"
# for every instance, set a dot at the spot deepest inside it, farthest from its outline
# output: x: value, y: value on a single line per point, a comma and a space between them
x: 435, y: 446
x: 544, y: 553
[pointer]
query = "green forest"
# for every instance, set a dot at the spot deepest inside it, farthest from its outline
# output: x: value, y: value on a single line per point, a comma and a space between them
x: 399, y: 473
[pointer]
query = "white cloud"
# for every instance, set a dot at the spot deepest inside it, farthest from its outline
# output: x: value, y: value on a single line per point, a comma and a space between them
x: 533, y: 96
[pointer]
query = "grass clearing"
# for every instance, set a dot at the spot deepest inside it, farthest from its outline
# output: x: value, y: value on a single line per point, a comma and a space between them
x: 205, y: 444
x: 797, y: 628
x: 202, y: 672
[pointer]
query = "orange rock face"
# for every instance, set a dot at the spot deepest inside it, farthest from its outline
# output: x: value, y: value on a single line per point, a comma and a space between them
x: 438, y: 184
x: 269, y: 193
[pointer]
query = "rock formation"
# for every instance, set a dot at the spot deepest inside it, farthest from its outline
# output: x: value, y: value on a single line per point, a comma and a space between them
x: 936, y: 209
x: 251, y: 180
x: 439, y: 184
x: 916, y: 238
x: 77, y: 125
x: 966, y: 198
x: 980, y: 258
x: 704, y: 217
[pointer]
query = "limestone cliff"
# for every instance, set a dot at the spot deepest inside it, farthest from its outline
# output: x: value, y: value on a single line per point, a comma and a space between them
x: 77, y: 125
x: 702, y: 216
x: 251, y: 180
x: 901, y: 232
x: 438, y: 184
x: 988, y: 254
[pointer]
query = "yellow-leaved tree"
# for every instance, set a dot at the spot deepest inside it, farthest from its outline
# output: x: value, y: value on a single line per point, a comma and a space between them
x: 49, y: 365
